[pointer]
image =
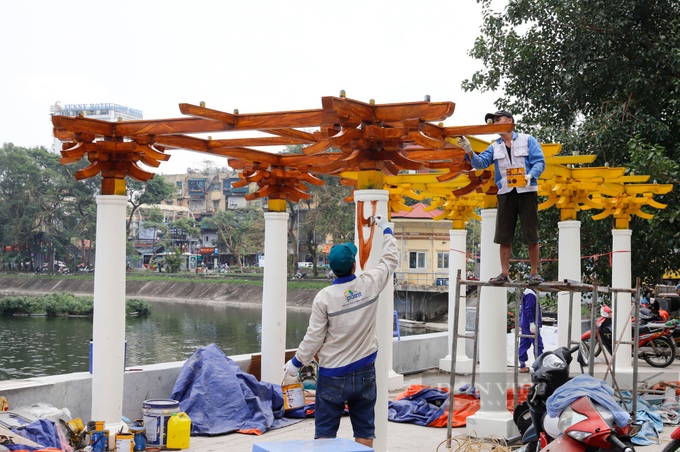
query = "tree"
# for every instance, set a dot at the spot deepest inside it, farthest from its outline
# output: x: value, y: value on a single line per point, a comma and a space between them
x: 326, y: 214
x: 154, y: 221
x: 152, y: 191
x: 239, y: 231
x: 601, y: 80
x: 42, y: 208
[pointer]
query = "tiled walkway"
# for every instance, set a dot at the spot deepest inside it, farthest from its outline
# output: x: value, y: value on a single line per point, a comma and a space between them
x: 401, y: 437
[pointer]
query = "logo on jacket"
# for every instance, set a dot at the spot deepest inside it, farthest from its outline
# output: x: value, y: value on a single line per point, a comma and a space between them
x: 350, y: 295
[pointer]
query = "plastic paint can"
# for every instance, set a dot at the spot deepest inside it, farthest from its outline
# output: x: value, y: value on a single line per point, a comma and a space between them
x: 179, y: 431
x: 125, y: 442
x: 140, y: 436
x: 99, y: 440
x: 156, y: 414
x: 293, y: 396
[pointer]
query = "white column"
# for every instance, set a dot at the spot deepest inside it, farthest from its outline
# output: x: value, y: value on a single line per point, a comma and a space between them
x: 108, y: 326
x: 274, y: 291
x: 493, y: 418
x: 385, y: 333
x: 385, y: 314
x: 569, y: 267
x: 457, y: 258
x: 621, y: 279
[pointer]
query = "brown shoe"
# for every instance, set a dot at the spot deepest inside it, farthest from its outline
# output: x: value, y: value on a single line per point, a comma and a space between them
x: 524, y: 370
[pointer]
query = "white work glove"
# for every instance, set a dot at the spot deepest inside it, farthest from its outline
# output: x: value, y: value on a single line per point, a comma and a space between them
x: 290, y: 370
x: 532, y: 328
x: 465, y: 144
x: 381, y: 222
x: 528, y: 178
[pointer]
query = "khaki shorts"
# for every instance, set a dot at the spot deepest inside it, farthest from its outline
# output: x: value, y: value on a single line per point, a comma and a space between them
x: 511, y: 206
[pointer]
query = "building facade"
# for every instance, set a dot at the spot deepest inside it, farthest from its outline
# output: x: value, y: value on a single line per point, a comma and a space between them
x: 205, y: 193
x: 423, y: 247
x: 105, y: 112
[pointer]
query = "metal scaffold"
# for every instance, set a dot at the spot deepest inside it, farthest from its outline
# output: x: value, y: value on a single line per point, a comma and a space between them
x: 587, y: 365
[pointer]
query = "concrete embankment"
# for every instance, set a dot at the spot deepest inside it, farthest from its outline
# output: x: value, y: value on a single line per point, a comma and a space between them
x: 192, y: 291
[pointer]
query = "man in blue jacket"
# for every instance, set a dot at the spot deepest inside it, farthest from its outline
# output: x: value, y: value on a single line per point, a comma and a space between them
x: 529, y: 322
x: 342, y: 331
x: 518, y: 162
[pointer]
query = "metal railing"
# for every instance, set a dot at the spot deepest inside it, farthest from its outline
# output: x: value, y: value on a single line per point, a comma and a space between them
x: 404, y: 280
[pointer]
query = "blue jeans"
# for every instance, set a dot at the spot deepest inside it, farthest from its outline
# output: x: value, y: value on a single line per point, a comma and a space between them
x: 358, y: 390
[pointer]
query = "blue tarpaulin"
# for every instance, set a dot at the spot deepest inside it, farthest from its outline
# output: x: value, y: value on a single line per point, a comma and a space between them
x: 42, y: 431
x: 221, y: 398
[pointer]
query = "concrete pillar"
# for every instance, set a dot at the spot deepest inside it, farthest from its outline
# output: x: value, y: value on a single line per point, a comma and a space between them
x: 621, y: 279
x: 457, y: 258
x: 385, y: 314
x: 569, y: 267
x: 108, y: 326
x: 493, y: 418
x: 274, y: 291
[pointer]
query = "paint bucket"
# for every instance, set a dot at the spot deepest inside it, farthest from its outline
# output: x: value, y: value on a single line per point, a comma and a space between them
x: 140, y: 436
x: 293, y: 394
x: 99, y: 440
x: 179, y: 431
x: 156, y: 413
x: 124, y: 442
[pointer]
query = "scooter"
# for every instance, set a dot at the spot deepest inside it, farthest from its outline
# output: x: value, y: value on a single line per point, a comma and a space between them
x: 655, y: 344
x: 674, y: 445
x: 584, y: 425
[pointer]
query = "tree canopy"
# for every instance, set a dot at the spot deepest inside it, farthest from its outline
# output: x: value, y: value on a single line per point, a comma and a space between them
x: 43, y: 210
x: 601, y: 79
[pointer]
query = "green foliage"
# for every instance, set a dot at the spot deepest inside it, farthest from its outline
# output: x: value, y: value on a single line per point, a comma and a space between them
x: 602, y: 80
x: 137, y: 307
x: 42, y: 208
x: 239, y: 231
x: 174, y: 260
x: 62, y: 304
x: 150, y: 192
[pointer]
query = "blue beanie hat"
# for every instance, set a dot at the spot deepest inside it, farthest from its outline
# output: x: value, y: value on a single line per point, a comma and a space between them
x: 341, y: 258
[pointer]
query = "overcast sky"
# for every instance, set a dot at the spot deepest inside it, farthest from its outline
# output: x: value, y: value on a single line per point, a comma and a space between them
x: 256, y: 56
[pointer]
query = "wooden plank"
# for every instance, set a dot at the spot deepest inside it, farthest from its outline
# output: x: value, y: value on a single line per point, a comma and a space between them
x: 258, y: 141
x: 168, y: 127
x: 207, y: 113
x: 387, y: 113
x: 483, y: 129
x: 293, y: 133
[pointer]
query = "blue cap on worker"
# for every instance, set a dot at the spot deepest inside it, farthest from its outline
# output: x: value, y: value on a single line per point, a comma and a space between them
x: 341, y: 258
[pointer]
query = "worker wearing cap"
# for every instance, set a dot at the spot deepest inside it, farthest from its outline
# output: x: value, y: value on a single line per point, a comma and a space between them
x: 518, y: 162
x: 342, y: 331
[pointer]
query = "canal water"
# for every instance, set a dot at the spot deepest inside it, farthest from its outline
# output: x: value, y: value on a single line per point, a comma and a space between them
x: 41, y: 346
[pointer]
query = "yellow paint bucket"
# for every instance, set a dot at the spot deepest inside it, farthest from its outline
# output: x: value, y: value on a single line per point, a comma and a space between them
x: 125, y: 442
x: 293, y: 395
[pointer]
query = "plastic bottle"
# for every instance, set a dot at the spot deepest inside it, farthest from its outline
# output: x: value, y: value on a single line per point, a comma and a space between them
x: 179, y: 431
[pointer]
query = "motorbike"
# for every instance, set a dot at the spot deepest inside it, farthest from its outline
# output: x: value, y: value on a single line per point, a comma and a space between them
x: 674, y: 445
x: 586, y: 424
x: 656, y: 343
